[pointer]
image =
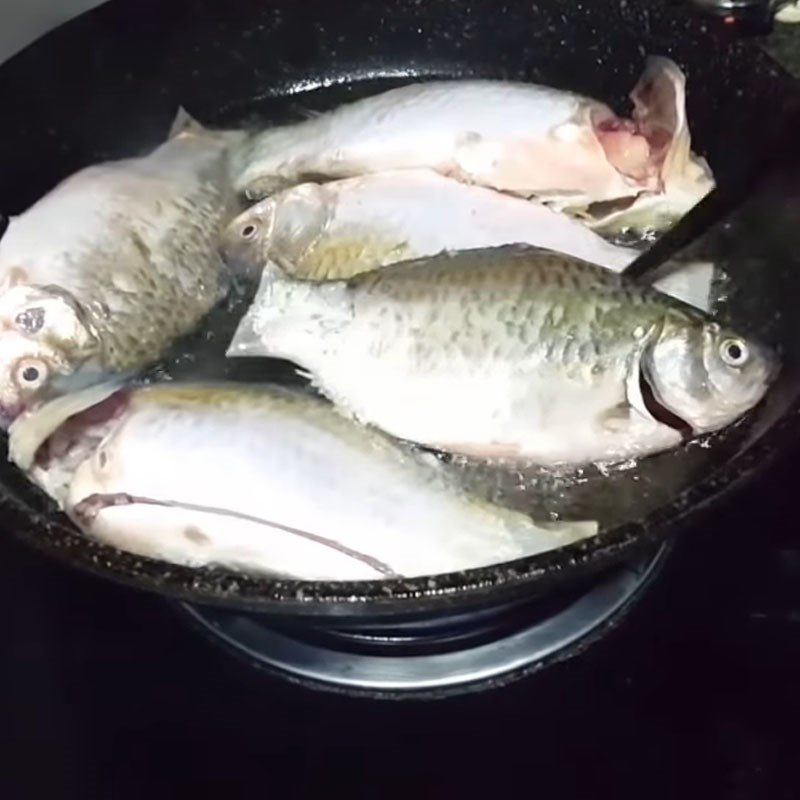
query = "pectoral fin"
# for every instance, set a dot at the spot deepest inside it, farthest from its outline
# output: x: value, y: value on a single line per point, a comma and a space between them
x: 617, y: 419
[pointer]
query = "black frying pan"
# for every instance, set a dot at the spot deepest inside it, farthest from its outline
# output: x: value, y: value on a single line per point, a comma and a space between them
x: 108, y: 84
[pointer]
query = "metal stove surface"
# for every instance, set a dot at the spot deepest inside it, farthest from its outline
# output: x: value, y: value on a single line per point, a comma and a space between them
x: 437, y: 655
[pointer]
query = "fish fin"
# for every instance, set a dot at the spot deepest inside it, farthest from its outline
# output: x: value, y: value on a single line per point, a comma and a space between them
x: 15, y: 276
x: 616, y: 419
x: 305, y: 112
x: 281, y: 266
x: 261, y: 188
x: 184, y: 122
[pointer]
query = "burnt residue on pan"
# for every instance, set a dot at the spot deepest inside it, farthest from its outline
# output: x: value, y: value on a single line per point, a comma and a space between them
x: 93, y: 90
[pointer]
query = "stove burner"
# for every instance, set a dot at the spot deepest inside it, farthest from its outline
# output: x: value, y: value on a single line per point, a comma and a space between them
x: 446, y: 654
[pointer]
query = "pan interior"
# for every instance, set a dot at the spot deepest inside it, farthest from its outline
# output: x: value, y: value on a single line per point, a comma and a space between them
x: 762, y: 277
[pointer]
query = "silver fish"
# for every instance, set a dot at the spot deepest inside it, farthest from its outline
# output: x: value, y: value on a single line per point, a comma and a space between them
x: 567, y: 150
x: 119, y: 259
x: 511, y: 352
x: 262, y: 480
x: 341, y: 228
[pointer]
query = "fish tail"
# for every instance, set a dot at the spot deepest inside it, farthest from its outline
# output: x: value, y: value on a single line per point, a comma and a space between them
x: 286, y: 309
x: 265, y: 309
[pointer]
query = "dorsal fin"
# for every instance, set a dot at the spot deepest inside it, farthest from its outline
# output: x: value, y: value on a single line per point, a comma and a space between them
x: 184, y: 122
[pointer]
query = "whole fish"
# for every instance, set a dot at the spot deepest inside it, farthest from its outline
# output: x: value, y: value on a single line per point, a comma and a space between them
x: 262, y: 480
x: 510, y: 352
x: 345, y: 227
x: 119, y: 259
x: 567, y: 150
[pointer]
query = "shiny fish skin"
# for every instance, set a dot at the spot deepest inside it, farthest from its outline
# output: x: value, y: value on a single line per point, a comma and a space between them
x: 306, y: 493
x: 512, y: 352
x: 531, y: 140
x: 103, y: 272
x: 339, y: 229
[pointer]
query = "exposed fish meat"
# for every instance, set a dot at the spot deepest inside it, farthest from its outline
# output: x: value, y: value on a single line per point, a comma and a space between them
x: 512, y: 352
x: 118, y: 260
x: 567, y: 150
x: 262, y: 480
x: 345, y: 227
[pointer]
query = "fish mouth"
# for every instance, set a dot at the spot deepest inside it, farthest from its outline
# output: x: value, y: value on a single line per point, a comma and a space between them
x: 659, y: 412
x: 86, y: 426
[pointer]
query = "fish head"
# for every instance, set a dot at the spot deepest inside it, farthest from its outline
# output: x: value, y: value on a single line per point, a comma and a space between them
x: 246, y: 242
x: 45, y: 338
x: 288, y: 224
x: 705, y: 374
x: 679, y: 178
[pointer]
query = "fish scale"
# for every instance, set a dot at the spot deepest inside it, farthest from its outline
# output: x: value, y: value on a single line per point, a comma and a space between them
x: 543, y: 300
x: 509, y: 351
x: 128, y: 265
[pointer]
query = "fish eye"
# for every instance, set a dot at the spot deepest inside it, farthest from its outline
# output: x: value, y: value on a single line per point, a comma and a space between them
x: 249, y: 231
x: 734, y: 352
x: 31, y: 373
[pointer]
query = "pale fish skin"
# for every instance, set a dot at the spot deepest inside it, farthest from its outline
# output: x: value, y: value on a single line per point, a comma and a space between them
x: 342, y: 228
x: 107, y: 269
x: 535, y: 141
x: 511, y: 352
x: 265, y: 481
